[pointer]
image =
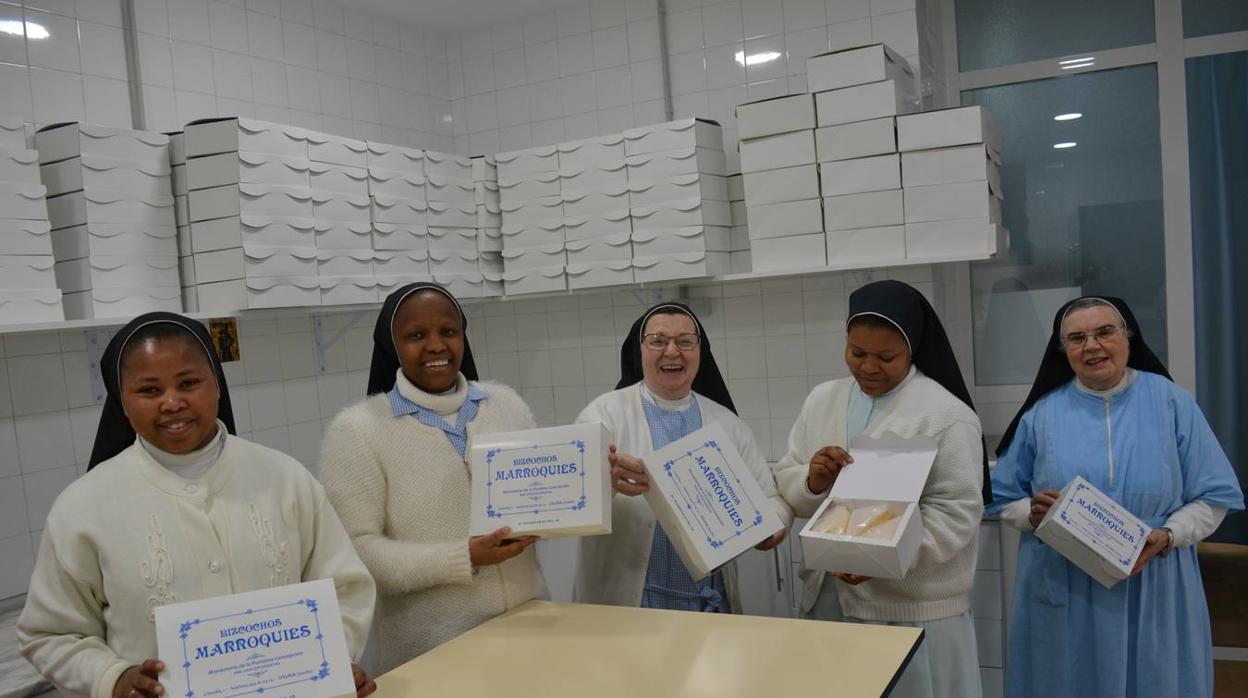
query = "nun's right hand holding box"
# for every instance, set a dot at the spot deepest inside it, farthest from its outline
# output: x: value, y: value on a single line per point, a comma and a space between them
x: 870, y: 524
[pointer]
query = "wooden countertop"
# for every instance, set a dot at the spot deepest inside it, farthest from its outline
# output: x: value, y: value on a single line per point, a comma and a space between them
x: 551, y: 650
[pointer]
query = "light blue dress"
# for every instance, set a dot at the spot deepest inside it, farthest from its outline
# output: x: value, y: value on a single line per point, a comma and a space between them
x: 1149, y: 635
x: 668, y: 583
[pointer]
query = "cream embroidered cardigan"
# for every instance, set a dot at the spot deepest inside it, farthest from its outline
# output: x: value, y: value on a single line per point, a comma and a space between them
x: 130, y: 536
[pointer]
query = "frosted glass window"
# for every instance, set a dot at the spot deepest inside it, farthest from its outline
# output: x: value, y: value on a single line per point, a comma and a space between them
x: 993, y: 33
x: 1084, y: 218
x: 1205, y: 17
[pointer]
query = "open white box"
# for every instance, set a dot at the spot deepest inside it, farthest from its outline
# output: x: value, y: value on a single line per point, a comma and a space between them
x: 888, y: 470
x: 1094, y: 532
x: 542, y: 482
x: 707, y: 500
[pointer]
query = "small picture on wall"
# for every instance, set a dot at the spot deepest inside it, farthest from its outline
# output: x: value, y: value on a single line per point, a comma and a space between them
x: 224, y: 331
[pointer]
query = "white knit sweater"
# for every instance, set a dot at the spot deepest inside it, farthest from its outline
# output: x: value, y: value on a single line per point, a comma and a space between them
x: 132, y: 535
x: 939, y: 584
x: 403, y: 493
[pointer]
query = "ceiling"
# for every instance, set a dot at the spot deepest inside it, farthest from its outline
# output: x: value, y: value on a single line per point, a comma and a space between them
x: 456, y: 15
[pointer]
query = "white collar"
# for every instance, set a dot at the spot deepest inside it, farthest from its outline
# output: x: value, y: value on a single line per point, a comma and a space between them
x: 1128, y: 377
x: 192, y: 465
x: 441, y: 403
x: 678, y: 405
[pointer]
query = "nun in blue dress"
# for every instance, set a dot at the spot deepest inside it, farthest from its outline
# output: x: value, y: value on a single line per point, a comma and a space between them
x: 669, y: 388
x: 1103, y: 407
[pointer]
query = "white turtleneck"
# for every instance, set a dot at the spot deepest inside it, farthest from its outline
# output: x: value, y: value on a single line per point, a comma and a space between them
x: 192, y: 465
x: 1189, y: 524
x: 677, y: 405
x: 444, y: 403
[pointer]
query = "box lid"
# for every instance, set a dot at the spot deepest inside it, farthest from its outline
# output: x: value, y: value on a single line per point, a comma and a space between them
x: 889, y: 468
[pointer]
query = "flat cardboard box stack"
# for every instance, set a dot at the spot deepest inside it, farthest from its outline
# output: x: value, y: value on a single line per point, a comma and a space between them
x: 739, y: 235
x: 181, y: 213
x: 530, y: 196
x: 251, y: 210
x: 864, y: 89
x: 950, y: 164
x: 678, y: 200
x: 452, y: 216
x: 28, y: 291
x: 342, y: 219
x: 781, y: 182
x: 114, y: 228
x: 396, y: 188
x: 489, y: 229
x: 597, y: 224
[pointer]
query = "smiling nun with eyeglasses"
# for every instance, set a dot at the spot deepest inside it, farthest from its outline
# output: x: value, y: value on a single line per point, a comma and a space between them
x: 669, y: 388
x: 1103, y: 407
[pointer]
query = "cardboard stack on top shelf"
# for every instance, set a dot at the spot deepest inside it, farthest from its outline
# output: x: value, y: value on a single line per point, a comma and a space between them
x: 396, y: 188
x: 739, y: 235
x: 781, y: 182
x: 861, y: 91
x: 530, y: 199
x: 597, y: 224
x: 250, y: 203
x: 181, y: 212
x: 452, y: 218
x: 489, y: 228
x: 950, y: 163
x: 114, y: 229
x: 342, y: 219
x: 678, y: 199
x: 28, y: 291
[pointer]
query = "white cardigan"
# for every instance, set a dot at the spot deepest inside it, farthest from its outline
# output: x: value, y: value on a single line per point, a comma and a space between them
x: 612, y: 568
x: 404, y: 493
x: 131, y: 535
x: 951, y: 506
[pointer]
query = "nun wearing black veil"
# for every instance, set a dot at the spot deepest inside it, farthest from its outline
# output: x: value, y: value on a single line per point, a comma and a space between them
x: 905, y: 380
x: 669, y: 387
x: 394, y: 466
x: 174, y: 508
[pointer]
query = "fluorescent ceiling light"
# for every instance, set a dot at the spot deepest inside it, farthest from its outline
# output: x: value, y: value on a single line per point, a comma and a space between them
x: 756, y: 58
x: 1063, y: 146
x: 1071, y: 63
x: 32, y: 30
x: 1068, y: 117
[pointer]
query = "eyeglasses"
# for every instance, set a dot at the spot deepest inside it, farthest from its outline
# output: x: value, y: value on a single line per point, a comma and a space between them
x: 659, y: 342
x: 1103, y: 334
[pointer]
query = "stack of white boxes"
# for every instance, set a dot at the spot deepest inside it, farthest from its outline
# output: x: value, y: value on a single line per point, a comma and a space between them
x: 114, y: 229
x: 181, y: 212
x: 530, y: 199
x: 597, y: 226
x: 396, y: 188
x: 781, y: 182
x: 950, y: 163
x: 28, y: 290
x: 489, y: 230
x: 739, y: 236
x: 342, y: 219
x: 678, y: 199
x: 859, y: 94
x: 452, y: 221
x: 251, y: 214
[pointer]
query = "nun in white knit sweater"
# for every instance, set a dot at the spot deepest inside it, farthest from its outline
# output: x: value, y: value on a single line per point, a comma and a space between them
x: 905, y: 380
x: 394, y: 466
x: 175, y: 508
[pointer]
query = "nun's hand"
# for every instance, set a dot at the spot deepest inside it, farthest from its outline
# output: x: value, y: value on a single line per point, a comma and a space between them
x: 773, y: 541
x: 851, y: 579
x: 1040, y: 504
x: 825, y: 465
x: 1156, y: 544
x: 140, y: 681
x: 364, y: 686
x: 628, y: 474
x: 494, y: 548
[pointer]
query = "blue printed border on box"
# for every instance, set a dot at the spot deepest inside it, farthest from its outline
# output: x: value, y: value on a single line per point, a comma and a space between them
x: 685, y: 507
x: 493, y: 453
x: 185, y: 627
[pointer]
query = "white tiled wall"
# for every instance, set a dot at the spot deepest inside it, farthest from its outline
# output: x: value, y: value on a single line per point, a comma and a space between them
x: 303, y: 62
x: 773, y: 340
x: 582, y: 64
x: 73, y: 65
